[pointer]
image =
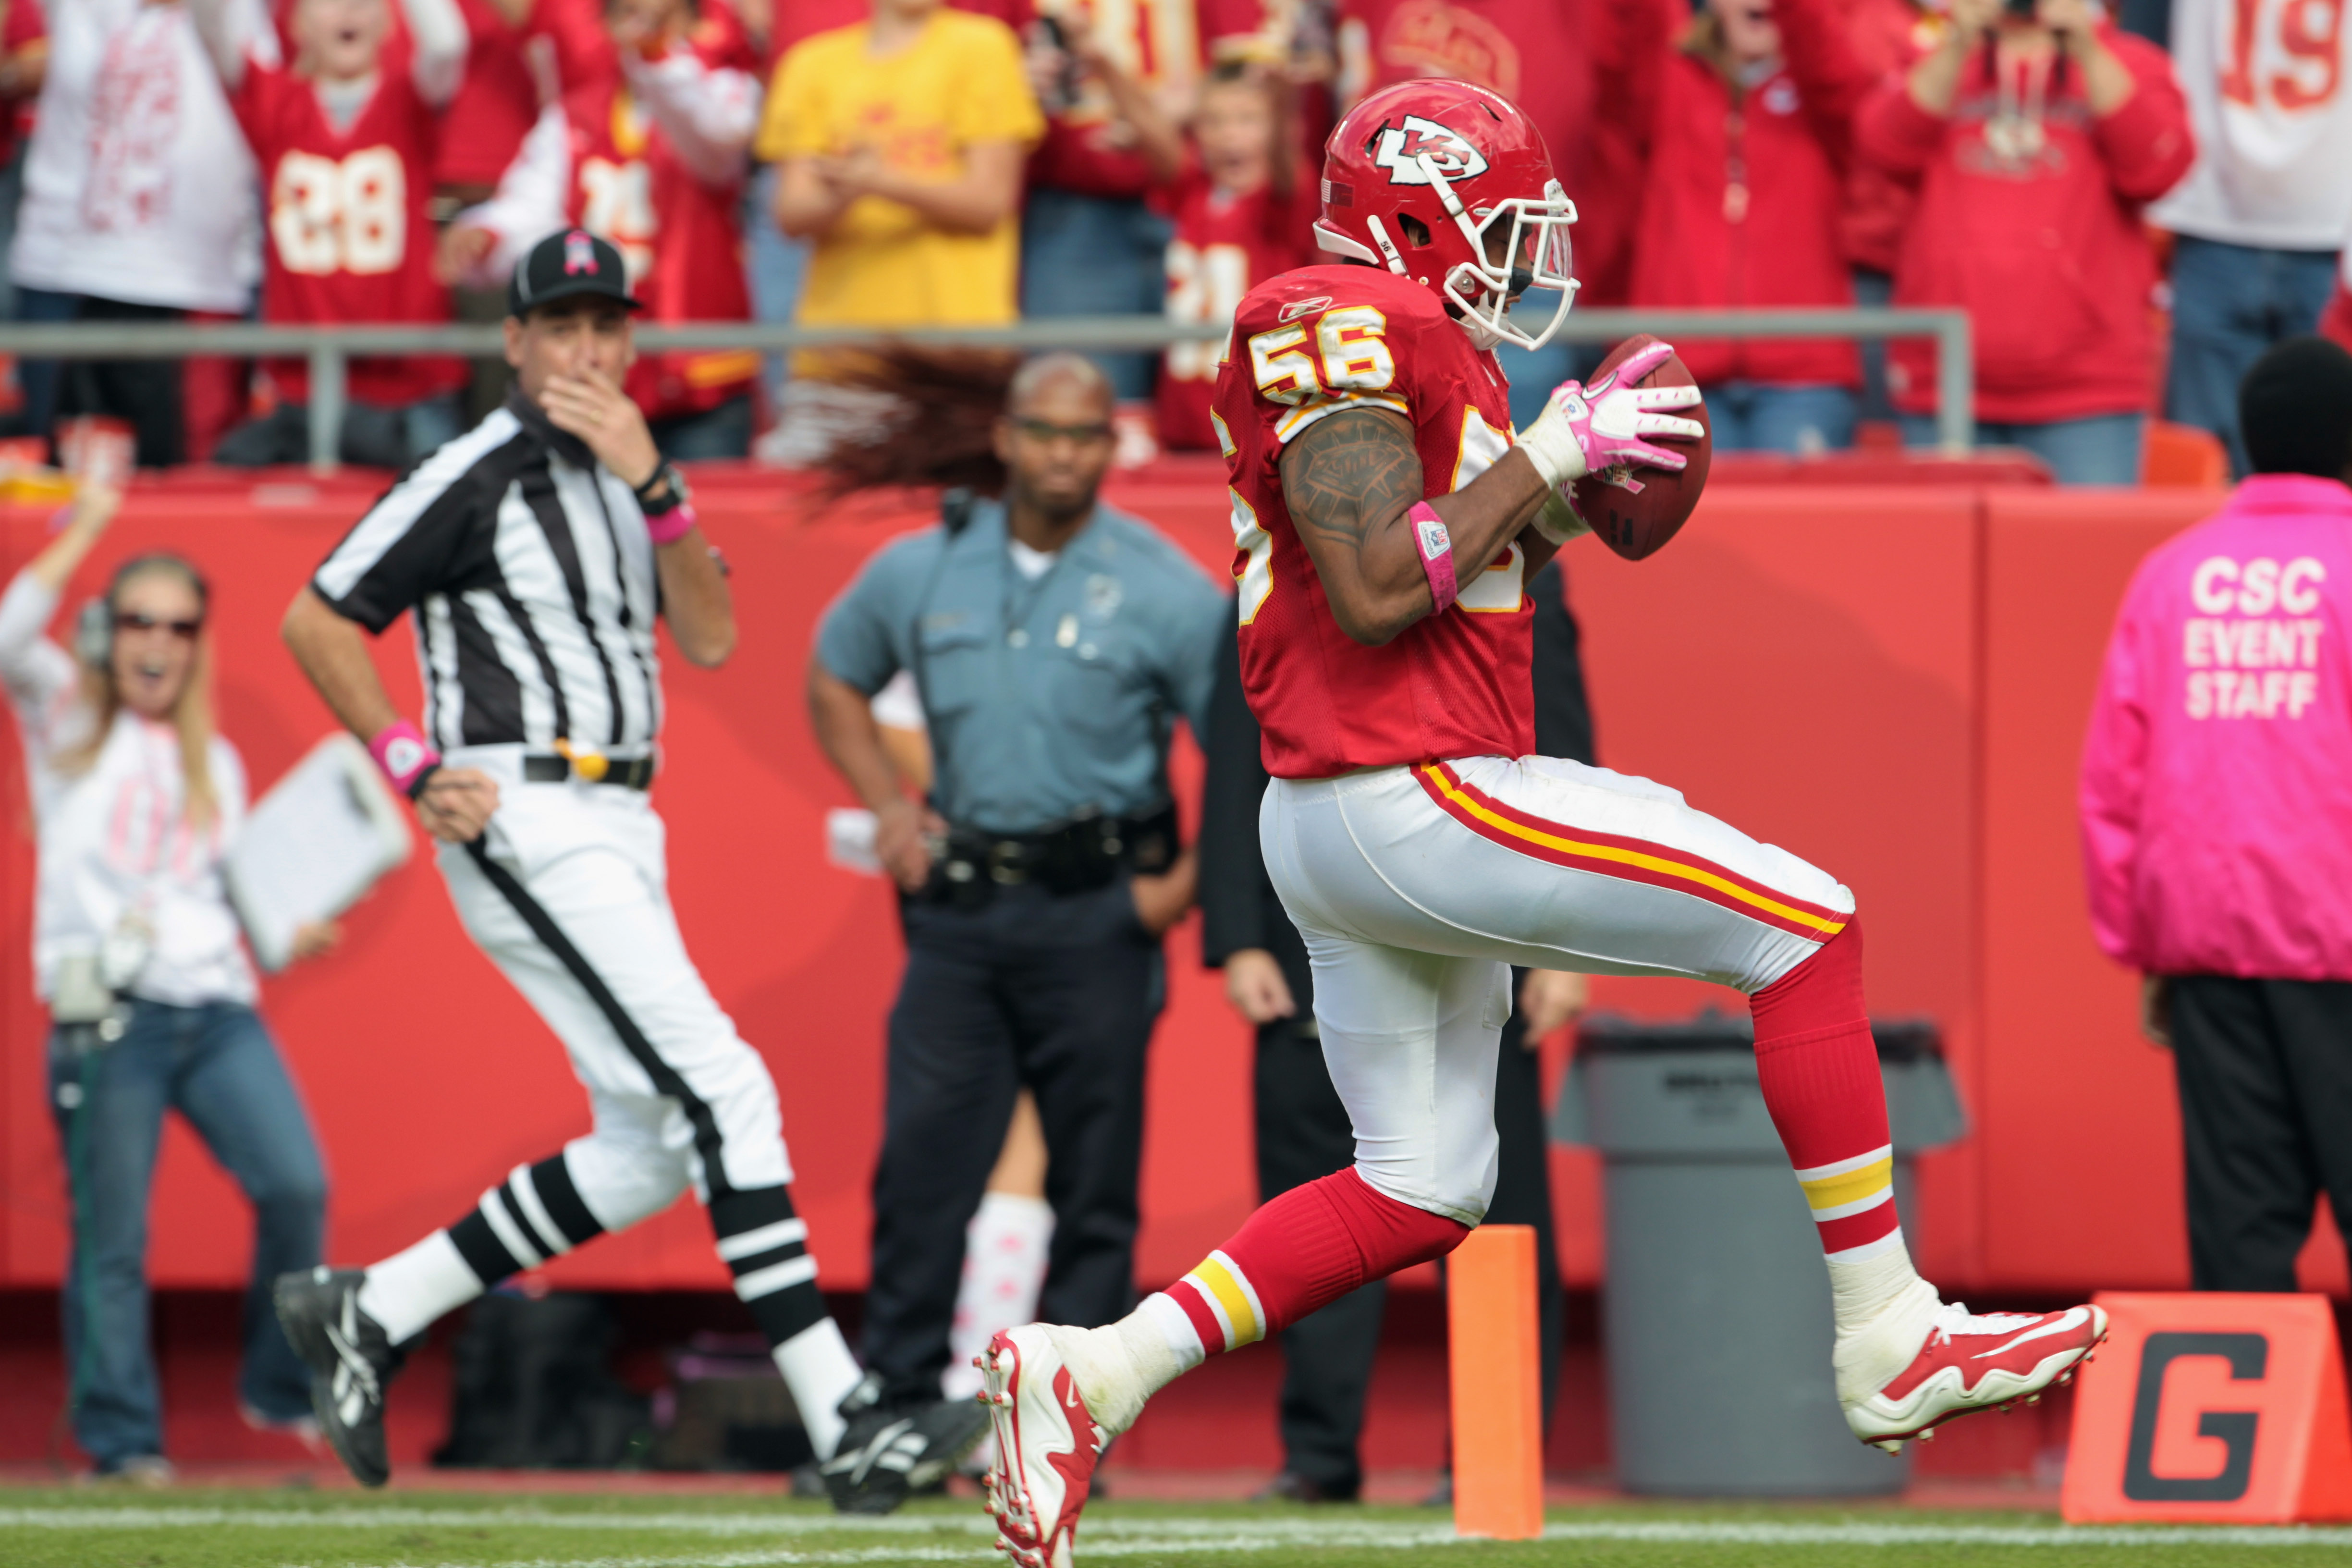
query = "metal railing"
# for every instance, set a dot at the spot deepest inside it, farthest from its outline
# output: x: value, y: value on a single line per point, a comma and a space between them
x: 331, y: 349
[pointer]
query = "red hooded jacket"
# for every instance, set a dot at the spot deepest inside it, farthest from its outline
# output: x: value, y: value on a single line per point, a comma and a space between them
x: 1741, y: 184
x: 2044, y: 246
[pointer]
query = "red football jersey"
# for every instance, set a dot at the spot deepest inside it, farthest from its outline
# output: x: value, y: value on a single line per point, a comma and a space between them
x: 683, y: 239
x: 350, y: 226
x: 1306, y: 344
x: 1222, y: 248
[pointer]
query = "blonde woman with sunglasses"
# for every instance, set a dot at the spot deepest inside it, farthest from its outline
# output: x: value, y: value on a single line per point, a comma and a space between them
x: 139, y: 959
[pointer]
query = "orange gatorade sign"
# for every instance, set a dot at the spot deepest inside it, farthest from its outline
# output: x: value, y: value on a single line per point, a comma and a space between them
x: 2219, y: 1407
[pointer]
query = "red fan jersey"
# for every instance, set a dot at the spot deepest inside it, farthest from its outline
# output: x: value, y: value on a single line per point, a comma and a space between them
x: 1224, y: 248
x: 351, y: 229
x: 680, y: 232
x: 1304, y: 345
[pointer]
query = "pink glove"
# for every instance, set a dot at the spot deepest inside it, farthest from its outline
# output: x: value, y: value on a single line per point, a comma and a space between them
x: 1586, y: 428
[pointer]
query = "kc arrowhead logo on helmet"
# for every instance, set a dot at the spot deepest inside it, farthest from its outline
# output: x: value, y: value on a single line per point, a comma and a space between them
x: 1403, y: 148
x: 1388, y: 200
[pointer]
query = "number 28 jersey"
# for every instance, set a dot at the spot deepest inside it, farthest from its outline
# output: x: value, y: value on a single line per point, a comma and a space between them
x: 349, y: 226
x: 1306, y: 346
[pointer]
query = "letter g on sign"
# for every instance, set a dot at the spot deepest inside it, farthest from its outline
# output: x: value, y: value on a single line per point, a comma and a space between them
x: 2247, y: 1356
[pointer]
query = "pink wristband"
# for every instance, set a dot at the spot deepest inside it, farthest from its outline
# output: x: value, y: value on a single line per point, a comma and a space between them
x: 672, y: 525
x: 404, y: 753
x: 1436, y: 549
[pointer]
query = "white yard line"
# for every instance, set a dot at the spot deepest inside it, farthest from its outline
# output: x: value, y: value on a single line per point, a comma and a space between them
x: 1114, y: 1536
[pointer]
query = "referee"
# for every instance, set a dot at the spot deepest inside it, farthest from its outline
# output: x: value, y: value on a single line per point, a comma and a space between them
x: 1055, y: 640
x: 535, y: 554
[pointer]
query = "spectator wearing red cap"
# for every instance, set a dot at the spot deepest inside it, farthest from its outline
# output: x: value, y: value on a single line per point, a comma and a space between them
x: 1740, y: 122
x: 651, y: 152
x: 2035, y: 140
x: 345, y: 149
x: 1241, y: 215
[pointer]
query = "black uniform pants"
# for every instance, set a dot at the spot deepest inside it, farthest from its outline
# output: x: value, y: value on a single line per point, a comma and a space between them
x: 1056, y: 993
x: 1303, y: 1135
x: 2265, y: 1074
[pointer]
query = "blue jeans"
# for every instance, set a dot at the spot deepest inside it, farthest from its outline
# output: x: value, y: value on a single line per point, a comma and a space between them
x: 217, y: 1065
x: 1874, y: 288
x: 1095, y: 256
x: 1748, y: 416
x: 2229, y: 302
x: 2102, y: 450
x: 721, y: 432
x: 776, y: 265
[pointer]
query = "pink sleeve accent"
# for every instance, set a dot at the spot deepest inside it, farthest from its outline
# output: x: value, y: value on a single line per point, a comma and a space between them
x: 2109, y: 798
x: 1435, y: 546
x: 672, y: 525
x: 404, y: 753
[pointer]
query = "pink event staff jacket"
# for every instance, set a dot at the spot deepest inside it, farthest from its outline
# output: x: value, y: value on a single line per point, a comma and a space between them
x: 2217, y: 780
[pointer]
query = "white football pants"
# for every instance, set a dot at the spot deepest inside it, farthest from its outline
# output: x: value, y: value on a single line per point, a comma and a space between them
x: 1416, y: 889
x: 591, y: 858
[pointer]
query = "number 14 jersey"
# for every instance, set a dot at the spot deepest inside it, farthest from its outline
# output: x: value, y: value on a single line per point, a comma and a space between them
x: 1307, y: 345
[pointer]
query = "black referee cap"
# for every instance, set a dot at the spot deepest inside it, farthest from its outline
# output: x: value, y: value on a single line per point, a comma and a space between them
x: 566, y: 264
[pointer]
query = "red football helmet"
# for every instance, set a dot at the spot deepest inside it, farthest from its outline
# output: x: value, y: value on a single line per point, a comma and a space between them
x: 1450, y: 185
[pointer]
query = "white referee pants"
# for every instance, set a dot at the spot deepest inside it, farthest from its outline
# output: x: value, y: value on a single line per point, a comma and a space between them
x: 690, y: 1101
x: 1416, y: 889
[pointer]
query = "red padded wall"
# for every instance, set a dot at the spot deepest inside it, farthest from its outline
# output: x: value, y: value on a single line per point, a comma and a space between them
x: 1891, y: 683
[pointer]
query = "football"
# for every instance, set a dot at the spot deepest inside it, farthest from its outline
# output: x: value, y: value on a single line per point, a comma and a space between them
x: 1632, y: 510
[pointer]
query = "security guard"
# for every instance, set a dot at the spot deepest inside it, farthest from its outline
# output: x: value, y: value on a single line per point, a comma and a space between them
x: 1055, y: 640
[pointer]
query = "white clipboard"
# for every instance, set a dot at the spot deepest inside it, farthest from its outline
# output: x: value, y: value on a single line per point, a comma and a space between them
x: 324, y: 836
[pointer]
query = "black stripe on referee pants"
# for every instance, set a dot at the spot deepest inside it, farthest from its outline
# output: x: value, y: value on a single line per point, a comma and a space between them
x: 665, y: 1078
x: 547, y: 1222
x: 760, y: 1239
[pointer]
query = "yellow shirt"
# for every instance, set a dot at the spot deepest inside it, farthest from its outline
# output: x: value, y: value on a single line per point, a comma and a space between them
x: 959, y: 82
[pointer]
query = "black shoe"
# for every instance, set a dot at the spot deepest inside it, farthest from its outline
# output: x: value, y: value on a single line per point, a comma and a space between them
x: 894, y: 1447
x: 1291, y: 1487
x: 350, y: 1360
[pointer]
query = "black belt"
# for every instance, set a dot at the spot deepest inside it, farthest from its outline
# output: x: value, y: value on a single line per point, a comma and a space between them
x: 545, y: 767
x: 1075, y: 856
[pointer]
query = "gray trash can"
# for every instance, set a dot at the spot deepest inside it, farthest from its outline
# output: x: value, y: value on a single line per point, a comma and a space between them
x: 1715, y: 1311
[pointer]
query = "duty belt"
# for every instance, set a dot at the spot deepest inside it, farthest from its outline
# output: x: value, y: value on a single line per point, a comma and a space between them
x: 1073, y: 856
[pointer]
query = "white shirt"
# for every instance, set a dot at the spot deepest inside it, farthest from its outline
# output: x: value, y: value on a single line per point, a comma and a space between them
x: 115, y: 842
x: 2273, y: 128
x: 139, y: 186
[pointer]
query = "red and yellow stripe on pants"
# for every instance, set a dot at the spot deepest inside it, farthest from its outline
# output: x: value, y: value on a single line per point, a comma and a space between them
x: 1628, y: 860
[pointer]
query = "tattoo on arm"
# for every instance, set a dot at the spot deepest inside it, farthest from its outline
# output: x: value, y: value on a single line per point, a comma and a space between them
x: 1349, y: 473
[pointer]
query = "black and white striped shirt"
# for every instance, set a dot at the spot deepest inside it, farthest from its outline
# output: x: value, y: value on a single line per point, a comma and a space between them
x: 531, y: 575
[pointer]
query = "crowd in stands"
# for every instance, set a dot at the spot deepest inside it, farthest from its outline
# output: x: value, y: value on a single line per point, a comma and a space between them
x: 890, y: 163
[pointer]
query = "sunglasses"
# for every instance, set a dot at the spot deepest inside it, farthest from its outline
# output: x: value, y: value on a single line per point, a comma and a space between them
x: 1042, y: 430
x: 130, y: 621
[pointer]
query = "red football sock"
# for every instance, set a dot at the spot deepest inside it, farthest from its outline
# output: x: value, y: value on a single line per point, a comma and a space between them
x: 1819, y: 1071
x: 1307, y: 1248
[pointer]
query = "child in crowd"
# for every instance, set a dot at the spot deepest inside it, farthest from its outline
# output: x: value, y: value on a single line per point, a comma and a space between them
x: 1241, y: 215
x: 345, y: 148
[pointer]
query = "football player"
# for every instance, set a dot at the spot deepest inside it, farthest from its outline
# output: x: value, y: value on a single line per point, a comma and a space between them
x: 1386, y: 521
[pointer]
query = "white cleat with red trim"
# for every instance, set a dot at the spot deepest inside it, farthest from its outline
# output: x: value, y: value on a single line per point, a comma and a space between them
x: 1971, y: 1364
x: 1046, y: 1445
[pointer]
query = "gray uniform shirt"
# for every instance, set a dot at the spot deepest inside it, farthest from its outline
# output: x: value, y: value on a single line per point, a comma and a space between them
x: 1045, y: 698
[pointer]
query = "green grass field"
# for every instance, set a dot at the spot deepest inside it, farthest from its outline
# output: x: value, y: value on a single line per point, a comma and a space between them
x: 191, y: 1528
